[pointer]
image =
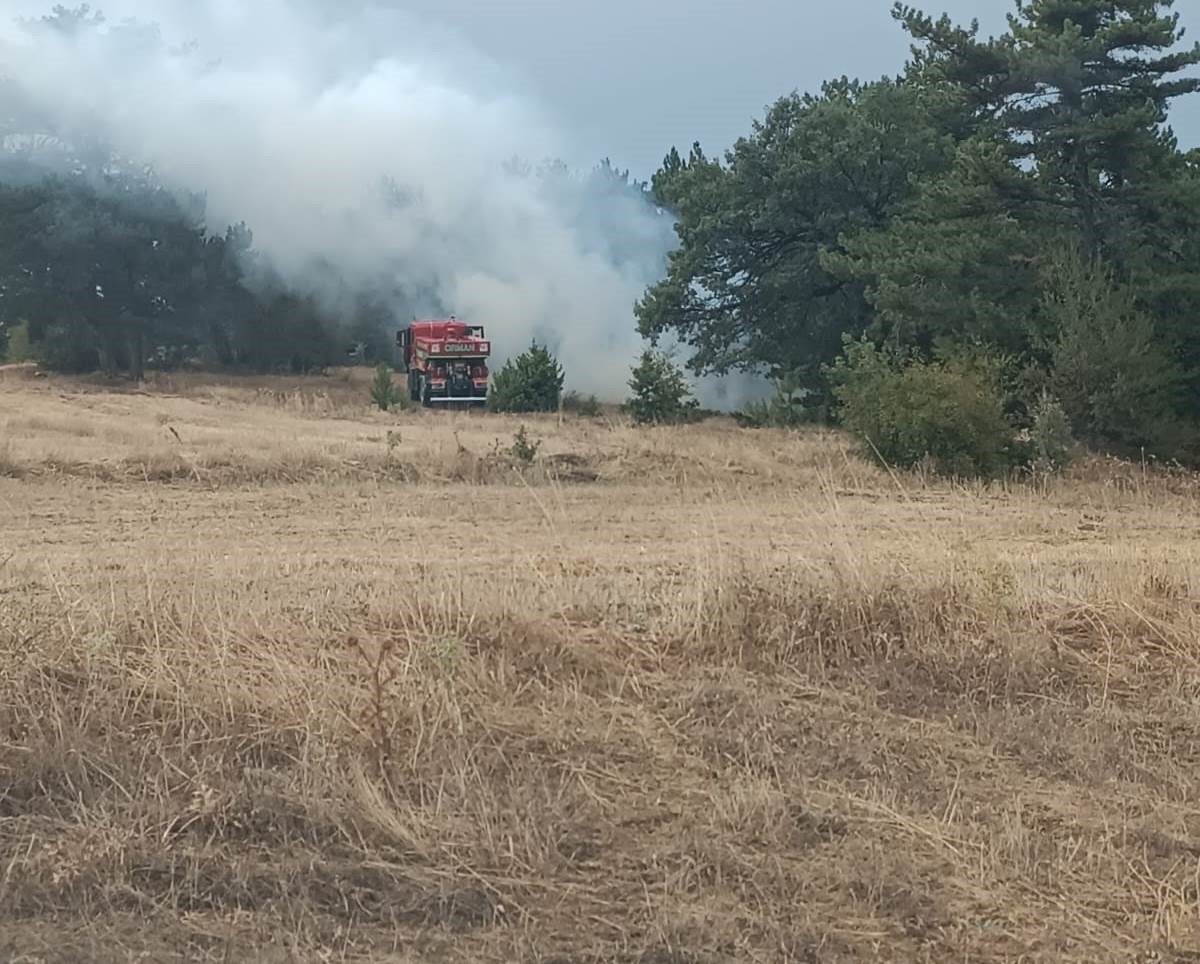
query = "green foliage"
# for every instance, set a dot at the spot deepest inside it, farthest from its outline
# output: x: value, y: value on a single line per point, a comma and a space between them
x: 786, y: 408
x: 367, y: 333
x: 285, y: 332
x: 19, y: 348
x: 1018, y: 196
x: 384, y: 392
x: 116, y: 271
x: 930, y: 213
x: 660, y: 392
x: 1061, y: 143
x: 944, y: 268
x: 1113, y: 373
x: 67, y: 346
x: 1075, y: 93
x: 1053, y: 446
x: 587, y: 406
x: 531, y: 382
x: 524, y: 449
x: 747, y: 289
x: 907, y: 412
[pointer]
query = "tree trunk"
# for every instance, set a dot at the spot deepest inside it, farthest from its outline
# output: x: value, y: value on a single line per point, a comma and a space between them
x: 137, y: 349
x: 1089, y: 230
x: 107, y: 349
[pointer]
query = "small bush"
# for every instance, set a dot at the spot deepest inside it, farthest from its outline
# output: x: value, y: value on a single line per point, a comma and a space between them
x: 524, y: 449
x: 68, y: 347
x: 946, y: 414
x: 531, y: 382
x: 785, y: 409
x: 19, y: 347
x: 660, y: 392
x: 384, y: 392
x: 587, y: 406
x: 1051, y: 442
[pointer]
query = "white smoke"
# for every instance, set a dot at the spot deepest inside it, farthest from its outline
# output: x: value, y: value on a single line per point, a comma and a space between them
x: 291, y: 119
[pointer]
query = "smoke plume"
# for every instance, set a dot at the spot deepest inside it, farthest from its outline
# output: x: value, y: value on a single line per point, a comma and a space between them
x: 374, y: 145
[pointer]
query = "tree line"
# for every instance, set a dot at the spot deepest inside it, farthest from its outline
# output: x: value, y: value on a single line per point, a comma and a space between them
x: 1017, y: 202
x: 1009, y: 215
x: 103, y: 268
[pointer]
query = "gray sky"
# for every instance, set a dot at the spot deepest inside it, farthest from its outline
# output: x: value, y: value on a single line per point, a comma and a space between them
x: 630, y: 78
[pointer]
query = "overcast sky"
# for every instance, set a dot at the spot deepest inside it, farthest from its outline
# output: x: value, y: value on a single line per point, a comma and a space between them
x: 630, y: 78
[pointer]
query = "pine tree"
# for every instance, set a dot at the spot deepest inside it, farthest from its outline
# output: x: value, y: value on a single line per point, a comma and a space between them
x: 1077, y: 92
x: 1112, y: 371
x: 531, y: 382
x: 660, y: 392
x: 747, y: 288
x: 384, y: 392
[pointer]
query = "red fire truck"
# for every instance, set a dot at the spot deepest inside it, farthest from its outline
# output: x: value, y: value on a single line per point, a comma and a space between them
x: 446, y: 362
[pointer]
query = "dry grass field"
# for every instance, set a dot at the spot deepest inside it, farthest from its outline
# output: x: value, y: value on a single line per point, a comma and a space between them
x: 285, y: 679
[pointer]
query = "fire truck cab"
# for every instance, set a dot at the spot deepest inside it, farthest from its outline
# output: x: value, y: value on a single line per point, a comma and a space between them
x: 446, y: 362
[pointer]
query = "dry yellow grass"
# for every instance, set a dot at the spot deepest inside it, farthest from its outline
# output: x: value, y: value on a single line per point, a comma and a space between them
x: 285, y: 679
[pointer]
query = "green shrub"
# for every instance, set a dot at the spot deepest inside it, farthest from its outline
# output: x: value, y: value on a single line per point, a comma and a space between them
x: 587, y: 406
x: 523, y: 448
x: 785, y: 409
x: 906, y: 411
x: 1051, y: 442
x: 660, y: 392
x: 68, y: 347
x: 531, y: 382
x: 384, y: 392
x: 19, y: 347
x: 1115, y: 376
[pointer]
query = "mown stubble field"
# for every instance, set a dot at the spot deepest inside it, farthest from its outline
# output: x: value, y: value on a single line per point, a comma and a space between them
x: 285, y: 679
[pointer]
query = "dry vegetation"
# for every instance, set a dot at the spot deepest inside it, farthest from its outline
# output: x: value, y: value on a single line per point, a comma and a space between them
x: 285, y: 679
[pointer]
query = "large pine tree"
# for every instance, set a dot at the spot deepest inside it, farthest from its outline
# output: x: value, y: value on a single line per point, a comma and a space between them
x: 1078, y: 93
x: 746, y: 288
